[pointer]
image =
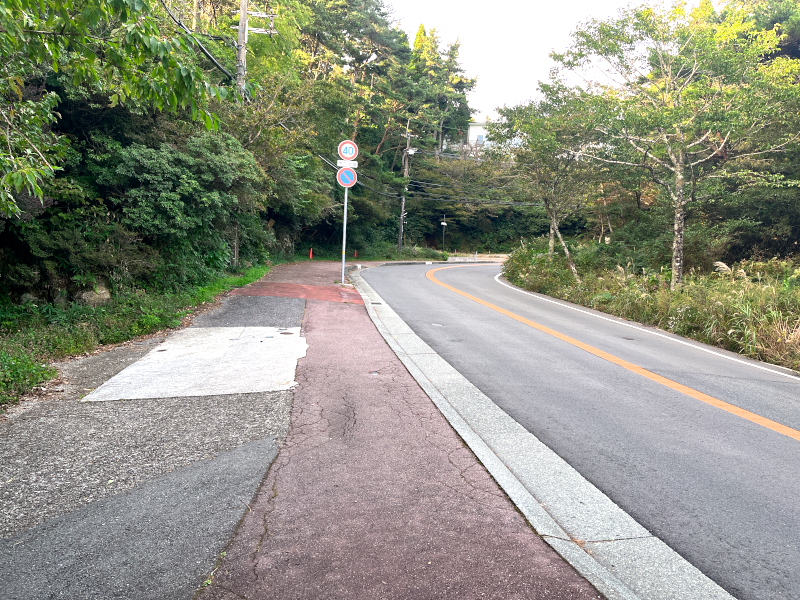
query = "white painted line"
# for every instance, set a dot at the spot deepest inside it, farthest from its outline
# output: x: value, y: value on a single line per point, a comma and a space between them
x: 570, y: 513
x: 693, y: 344
x: 210, y: 361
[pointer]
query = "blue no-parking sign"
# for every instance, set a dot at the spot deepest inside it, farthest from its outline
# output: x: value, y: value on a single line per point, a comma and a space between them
x: 346, y: 177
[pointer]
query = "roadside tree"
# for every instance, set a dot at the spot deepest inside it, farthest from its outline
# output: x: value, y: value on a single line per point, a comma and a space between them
x: 114, y: 47
x: 683, y: 94
x: 546, y: 139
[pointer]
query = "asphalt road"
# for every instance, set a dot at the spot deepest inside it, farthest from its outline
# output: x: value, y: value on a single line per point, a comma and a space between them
x: 135, y: 496
x: 718, y: 487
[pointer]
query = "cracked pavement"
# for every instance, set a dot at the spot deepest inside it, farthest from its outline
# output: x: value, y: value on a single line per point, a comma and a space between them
x: 373, y: 495
x: 351, y: 485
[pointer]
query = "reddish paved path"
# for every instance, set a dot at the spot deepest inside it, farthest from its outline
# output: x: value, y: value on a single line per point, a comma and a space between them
x: 373, y: 494
x: 295, y: 290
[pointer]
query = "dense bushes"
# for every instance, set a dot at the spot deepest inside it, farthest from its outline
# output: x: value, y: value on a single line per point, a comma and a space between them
x: 163, y: 216
x: 191, y: 204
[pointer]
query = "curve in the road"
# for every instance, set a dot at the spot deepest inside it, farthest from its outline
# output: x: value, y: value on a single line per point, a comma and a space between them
x: 616, y: 554
x: 674, y: 385
x: 719, y: 489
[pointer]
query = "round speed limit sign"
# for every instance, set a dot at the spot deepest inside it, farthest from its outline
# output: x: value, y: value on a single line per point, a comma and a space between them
x: 348, y: 150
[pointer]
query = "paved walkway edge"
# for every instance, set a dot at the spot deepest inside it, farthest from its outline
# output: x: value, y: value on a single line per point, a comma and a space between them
x: 602, y: 542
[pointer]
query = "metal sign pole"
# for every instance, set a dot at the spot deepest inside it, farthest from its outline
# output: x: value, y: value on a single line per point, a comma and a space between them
x: 344, y: 232
x: 347, y: 178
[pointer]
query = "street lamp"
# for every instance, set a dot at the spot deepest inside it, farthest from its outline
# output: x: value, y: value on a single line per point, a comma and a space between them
x: 444, y: 224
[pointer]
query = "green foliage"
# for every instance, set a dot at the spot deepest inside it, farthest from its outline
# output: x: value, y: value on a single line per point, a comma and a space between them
x: 690, y: 93
x: 32, y: 151
x: 440, y: 90
x: 388, y: 251
x: 207, y: 293
x: 116, y: 47
x: 19, y: 373
x: 546, y: 139
x: 167, y: 216
x: 111, y: 183
x: 531, y: 267
x: 129, y: 193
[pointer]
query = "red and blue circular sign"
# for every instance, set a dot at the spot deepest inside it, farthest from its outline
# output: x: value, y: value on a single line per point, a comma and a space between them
x: 348, y: 150
x: 346, y: 177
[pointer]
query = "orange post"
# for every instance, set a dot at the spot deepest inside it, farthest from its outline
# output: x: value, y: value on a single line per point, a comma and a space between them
x: 311, y: 254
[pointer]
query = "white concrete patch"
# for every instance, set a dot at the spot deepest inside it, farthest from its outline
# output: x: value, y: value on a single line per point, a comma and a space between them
x: 211, y: 361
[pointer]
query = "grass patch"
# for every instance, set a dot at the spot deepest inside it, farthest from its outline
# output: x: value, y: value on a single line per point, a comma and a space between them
x: 33, y: 335
x: 208, y: 292
x: 19, y: 372
x: 752, y: 308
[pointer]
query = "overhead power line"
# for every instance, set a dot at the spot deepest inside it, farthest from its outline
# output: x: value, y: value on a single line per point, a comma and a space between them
x: 456, y: 186
x: 481, y: 203
x: 424, y: 196
x: 203, y: 49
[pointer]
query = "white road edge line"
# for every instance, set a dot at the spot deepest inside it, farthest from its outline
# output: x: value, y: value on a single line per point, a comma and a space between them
x: 621, y: 559
x: 696, y: 345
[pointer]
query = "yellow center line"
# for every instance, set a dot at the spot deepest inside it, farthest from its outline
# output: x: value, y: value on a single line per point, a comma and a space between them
x: 674, y: 385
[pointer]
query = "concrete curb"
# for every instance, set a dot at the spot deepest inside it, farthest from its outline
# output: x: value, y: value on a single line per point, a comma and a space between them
x: 602, y: 542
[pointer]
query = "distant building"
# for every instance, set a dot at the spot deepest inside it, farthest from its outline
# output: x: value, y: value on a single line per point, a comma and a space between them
x: 477, y: 134
x: 473, y: 143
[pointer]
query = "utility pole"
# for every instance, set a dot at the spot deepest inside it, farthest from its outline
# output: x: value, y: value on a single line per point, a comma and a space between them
x: 408, y: 151
x: 241, y: 47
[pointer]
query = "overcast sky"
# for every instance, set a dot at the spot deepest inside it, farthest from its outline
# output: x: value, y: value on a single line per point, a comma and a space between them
x: 504, y: 43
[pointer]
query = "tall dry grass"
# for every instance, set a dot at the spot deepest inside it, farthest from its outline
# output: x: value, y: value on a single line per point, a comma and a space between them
x: 752, y: 308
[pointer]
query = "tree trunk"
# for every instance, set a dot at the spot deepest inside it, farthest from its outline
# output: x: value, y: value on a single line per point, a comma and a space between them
x: 440, y: 142
x: 385, y: 135
x: 678, y: 232
x: 551, y: 244
x: 608, y: 216
x: 567, y: 254
x: 195, y: 15
x: 356, y: 125
x: 236, y: 247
